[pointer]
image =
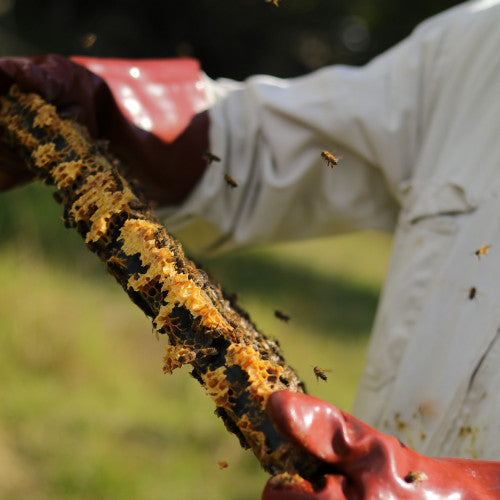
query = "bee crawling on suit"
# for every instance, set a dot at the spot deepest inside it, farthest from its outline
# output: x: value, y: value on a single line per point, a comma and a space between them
x: 482, y: 250
x: 230, y: 180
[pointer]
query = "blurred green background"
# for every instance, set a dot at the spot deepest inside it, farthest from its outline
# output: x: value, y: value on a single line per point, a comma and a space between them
x: 85, y: 410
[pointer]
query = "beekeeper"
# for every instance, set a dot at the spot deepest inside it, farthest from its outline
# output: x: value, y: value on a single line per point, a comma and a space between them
x: 418, y: 134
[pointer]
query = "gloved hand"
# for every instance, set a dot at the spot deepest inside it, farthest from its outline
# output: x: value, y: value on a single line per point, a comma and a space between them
x: 366, y: 464
x: 151, y: 112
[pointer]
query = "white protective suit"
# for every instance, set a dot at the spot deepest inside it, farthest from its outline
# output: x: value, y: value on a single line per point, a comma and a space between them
x: 418, y: 130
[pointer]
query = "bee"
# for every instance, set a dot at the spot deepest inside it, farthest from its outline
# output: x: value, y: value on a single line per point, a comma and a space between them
x: 222, y: 464
x: 160, y: 239
x: 472, y: 293
x: 284, y: 480
x: 206, y: 351
x: 68, y: 220
x: 282, y: 316
x: 117, y: 178
x: 274, y: 2
x: 231, y: 181
x: 88, y: 40
x: 186, y: 357
x: 331, y: 160
x: 320, y: 373
x: 210, y: 157
x: 118, y: 261
x: 482, y: 250
x: 136, y: 205
x: 415, y: 476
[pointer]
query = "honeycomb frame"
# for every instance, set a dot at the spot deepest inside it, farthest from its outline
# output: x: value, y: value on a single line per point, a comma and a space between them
x: 236, y: 364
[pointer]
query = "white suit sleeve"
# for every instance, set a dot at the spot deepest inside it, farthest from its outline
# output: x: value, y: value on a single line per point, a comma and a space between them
x: 270, y: 132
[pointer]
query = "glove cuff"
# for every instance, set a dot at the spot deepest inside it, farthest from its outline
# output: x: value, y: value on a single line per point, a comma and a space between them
x: 159, y: 96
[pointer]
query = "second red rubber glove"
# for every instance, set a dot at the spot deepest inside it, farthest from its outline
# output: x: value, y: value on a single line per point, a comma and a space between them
x: 362, y: 463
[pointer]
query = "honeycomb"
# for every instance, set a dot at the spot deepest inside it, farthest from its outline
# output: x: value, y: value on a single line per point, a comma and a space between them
x: 237, y: 366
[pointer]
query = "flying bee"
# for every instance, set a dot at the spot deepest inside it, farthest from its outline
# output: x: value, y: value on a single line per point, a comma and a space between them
x: 415, y: 476
x: 210, y: 157
x: 88, y: 40
x: 222, y: 464
x: 282, y: 316
x: 331, y: 160
x: 482, y: 250
x: 320, y: 373
x: 274, y: 2
x: 231, y: 181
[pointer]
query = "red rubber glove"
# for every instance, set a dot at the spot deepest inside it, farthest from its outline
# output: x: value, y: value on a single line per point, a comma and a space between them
x: 150, y: 111
x: 366, y: 464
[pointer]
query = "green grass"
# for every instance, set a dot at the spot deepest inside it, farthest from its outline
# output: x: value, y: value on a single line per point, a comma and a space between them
x: 85, y: 410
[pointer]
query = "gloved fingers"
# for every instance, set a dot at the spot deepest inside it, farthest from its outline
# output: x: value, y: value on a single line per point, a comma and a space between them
x: 340, y: 440
x: 75, y: 91
x: 70, y: 87
x: 166, y: 165
x: 318, y: 427
x: 166, y: 171
x: 331, y: 487
x: 376, y: 465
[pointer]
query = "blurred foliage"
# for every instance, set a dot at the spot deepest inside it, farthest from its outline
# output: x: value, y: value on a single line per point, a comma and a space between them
x: 232, y: 38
